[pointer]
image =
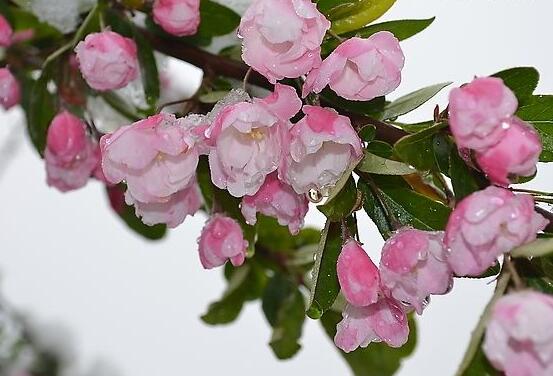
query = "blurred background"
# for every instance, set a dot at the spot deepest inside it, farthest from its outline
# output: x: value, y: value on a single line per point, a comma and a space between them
x: 116, y: 304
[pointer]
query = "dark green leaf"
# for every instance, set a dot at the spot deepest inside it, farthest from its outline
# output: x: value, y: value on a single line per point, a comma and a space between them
x: 537, y: 108
x: 372, y: 108
x: 413, y: 209
x: 412, y: 101
x: 127, y: 214
x: 216, y: 19
x: 203, y: 176
x: 367, y: 133
x: 375, y: 210
x: 40, y: 110
x: 441, y: 146
x: 148, y: 68
x: 245, y: 283
x: 284, y: 308
x: 402, y: 29
x: 377, y: 359
x: 545, y: 130
x: 480, y: 366
x: 380, y: 148
x: 418, y: 149
x: 324, y: 285
x: 373, y: 164
x: 521, y: 80
x: 462, y: 178
x: 341, y: 205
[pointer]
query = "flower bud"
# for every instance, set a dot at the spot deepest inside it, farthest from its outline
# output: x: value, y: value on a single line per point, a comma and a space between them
x: 177, y: 17
x: 10, y: 91
x: 6, y: 32
x: 221, y: 240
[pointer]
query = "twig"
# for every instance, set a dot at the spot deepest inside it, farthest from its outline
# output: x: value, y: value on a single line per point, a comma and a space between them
x: 519, y: 284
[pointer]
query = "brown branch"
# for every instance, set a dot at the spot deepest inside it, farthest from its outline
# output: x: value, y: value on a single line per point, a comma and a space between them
x: 238, y: 70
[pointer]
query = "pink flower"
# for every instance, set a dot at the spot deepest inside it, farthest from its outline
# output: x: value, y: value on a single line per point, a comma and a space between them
x: 282, y: 38
x: 516, y: 154
x: 323, y: 146
x: 384, y: 320
x: 156, y: 157
x: 221, y: 240
x: 478, y: 111
x: 413, y: 266
x: 519, y: 339
x: 247, y: 140
x: 10, y: 91
x: 107, y: 60
x: 278, y: 200
x: 487, y: 224
x: 177, y: 17
x: 358, y: 275
x: 71, y: 155
x: 6, y: 32
x: 173, y: 211
x: 360, y: 69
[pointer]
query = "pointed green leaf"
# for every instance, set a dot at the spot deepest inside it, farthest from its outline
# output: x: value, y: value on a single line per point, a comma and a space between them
x: 375, y: 211
x: 412, y: 101
x: 545, y: 130
x: 373, y: 164
x: 418, y: 149
x: 352, y: 15
x: 342, y: 204
x: 538, y: 248
x: 521, y: 80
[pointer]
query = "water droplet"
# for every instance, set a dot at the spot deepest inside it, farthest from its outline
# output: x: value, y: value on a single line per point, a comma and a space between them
x: 315, y: 196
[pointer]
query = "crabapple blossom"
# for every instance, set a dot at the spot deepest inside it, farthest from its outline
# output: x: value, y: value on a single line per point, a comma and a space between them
x: 323, y: 145
x: 282, y: 38
x: 247, y: 140
x: 360, y: 69
x: 10, y: 90
x: 6, y: 32
x: 171, y: 212
x: 221, y: 240
x: 516, y: 154
x: 358, y: 275
x: 384, y: 321
x: 278, y: 200
x: 107, y: 60
x: 156, y: 157
x: 479, y: 111
x: 177, y: 17
x: 71, y: 155
x: 519, y: 340
x: 487, y: 224
x: 413, y: 266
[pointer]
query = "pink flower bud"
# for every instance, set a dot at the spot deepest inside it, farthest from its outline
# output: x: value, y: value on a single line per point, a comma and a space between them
x: 10, y: 91
x: 282, y: 38
x: 107, y: 60
x: 487, y: 224
x: 172, y: 211
x: 247, y: 140
x: 413, y: 266
x: 358, y: 275
x: 519, y: 340
x: 71, y: 155
x: 156, y: 157
x: 360, y: 69
x: 516, y: 154
x: 177, y: 17
x: 478, y: 111
x: 323, y: 146
x: 6, y: 32
x: 384, y: 320
x: 278, y: 200
x: 221, y: 240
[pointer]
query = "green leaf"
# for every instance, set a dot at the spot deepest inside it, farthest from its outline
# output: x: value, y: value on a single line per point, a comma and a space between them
x: 371, y: 108
x: 284, y: 308
x: 521, y: 80
x: 377, y: 359
x: 367, y: 133
x: 342, y: 204
x: 412, y: 101
x: 380, y: 148
x: 203, y: 177
x: 545, y: 130
x: 213, y: 96
x: 402, y: 29
x: 470, y: 362
x: 245, y: 283
x: 537, y: 108
x: 413, y: 209
x: 349, y: 15
x: 373, y: 164
x: 325, y: 286
x: 418, y: 149
x: 216, y: 19
x: 537, y: 248
x: 40, y: 110
x: 127, y: 214
x: 375, y: 210
x: 148, y: 68
x: 462, y: 178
